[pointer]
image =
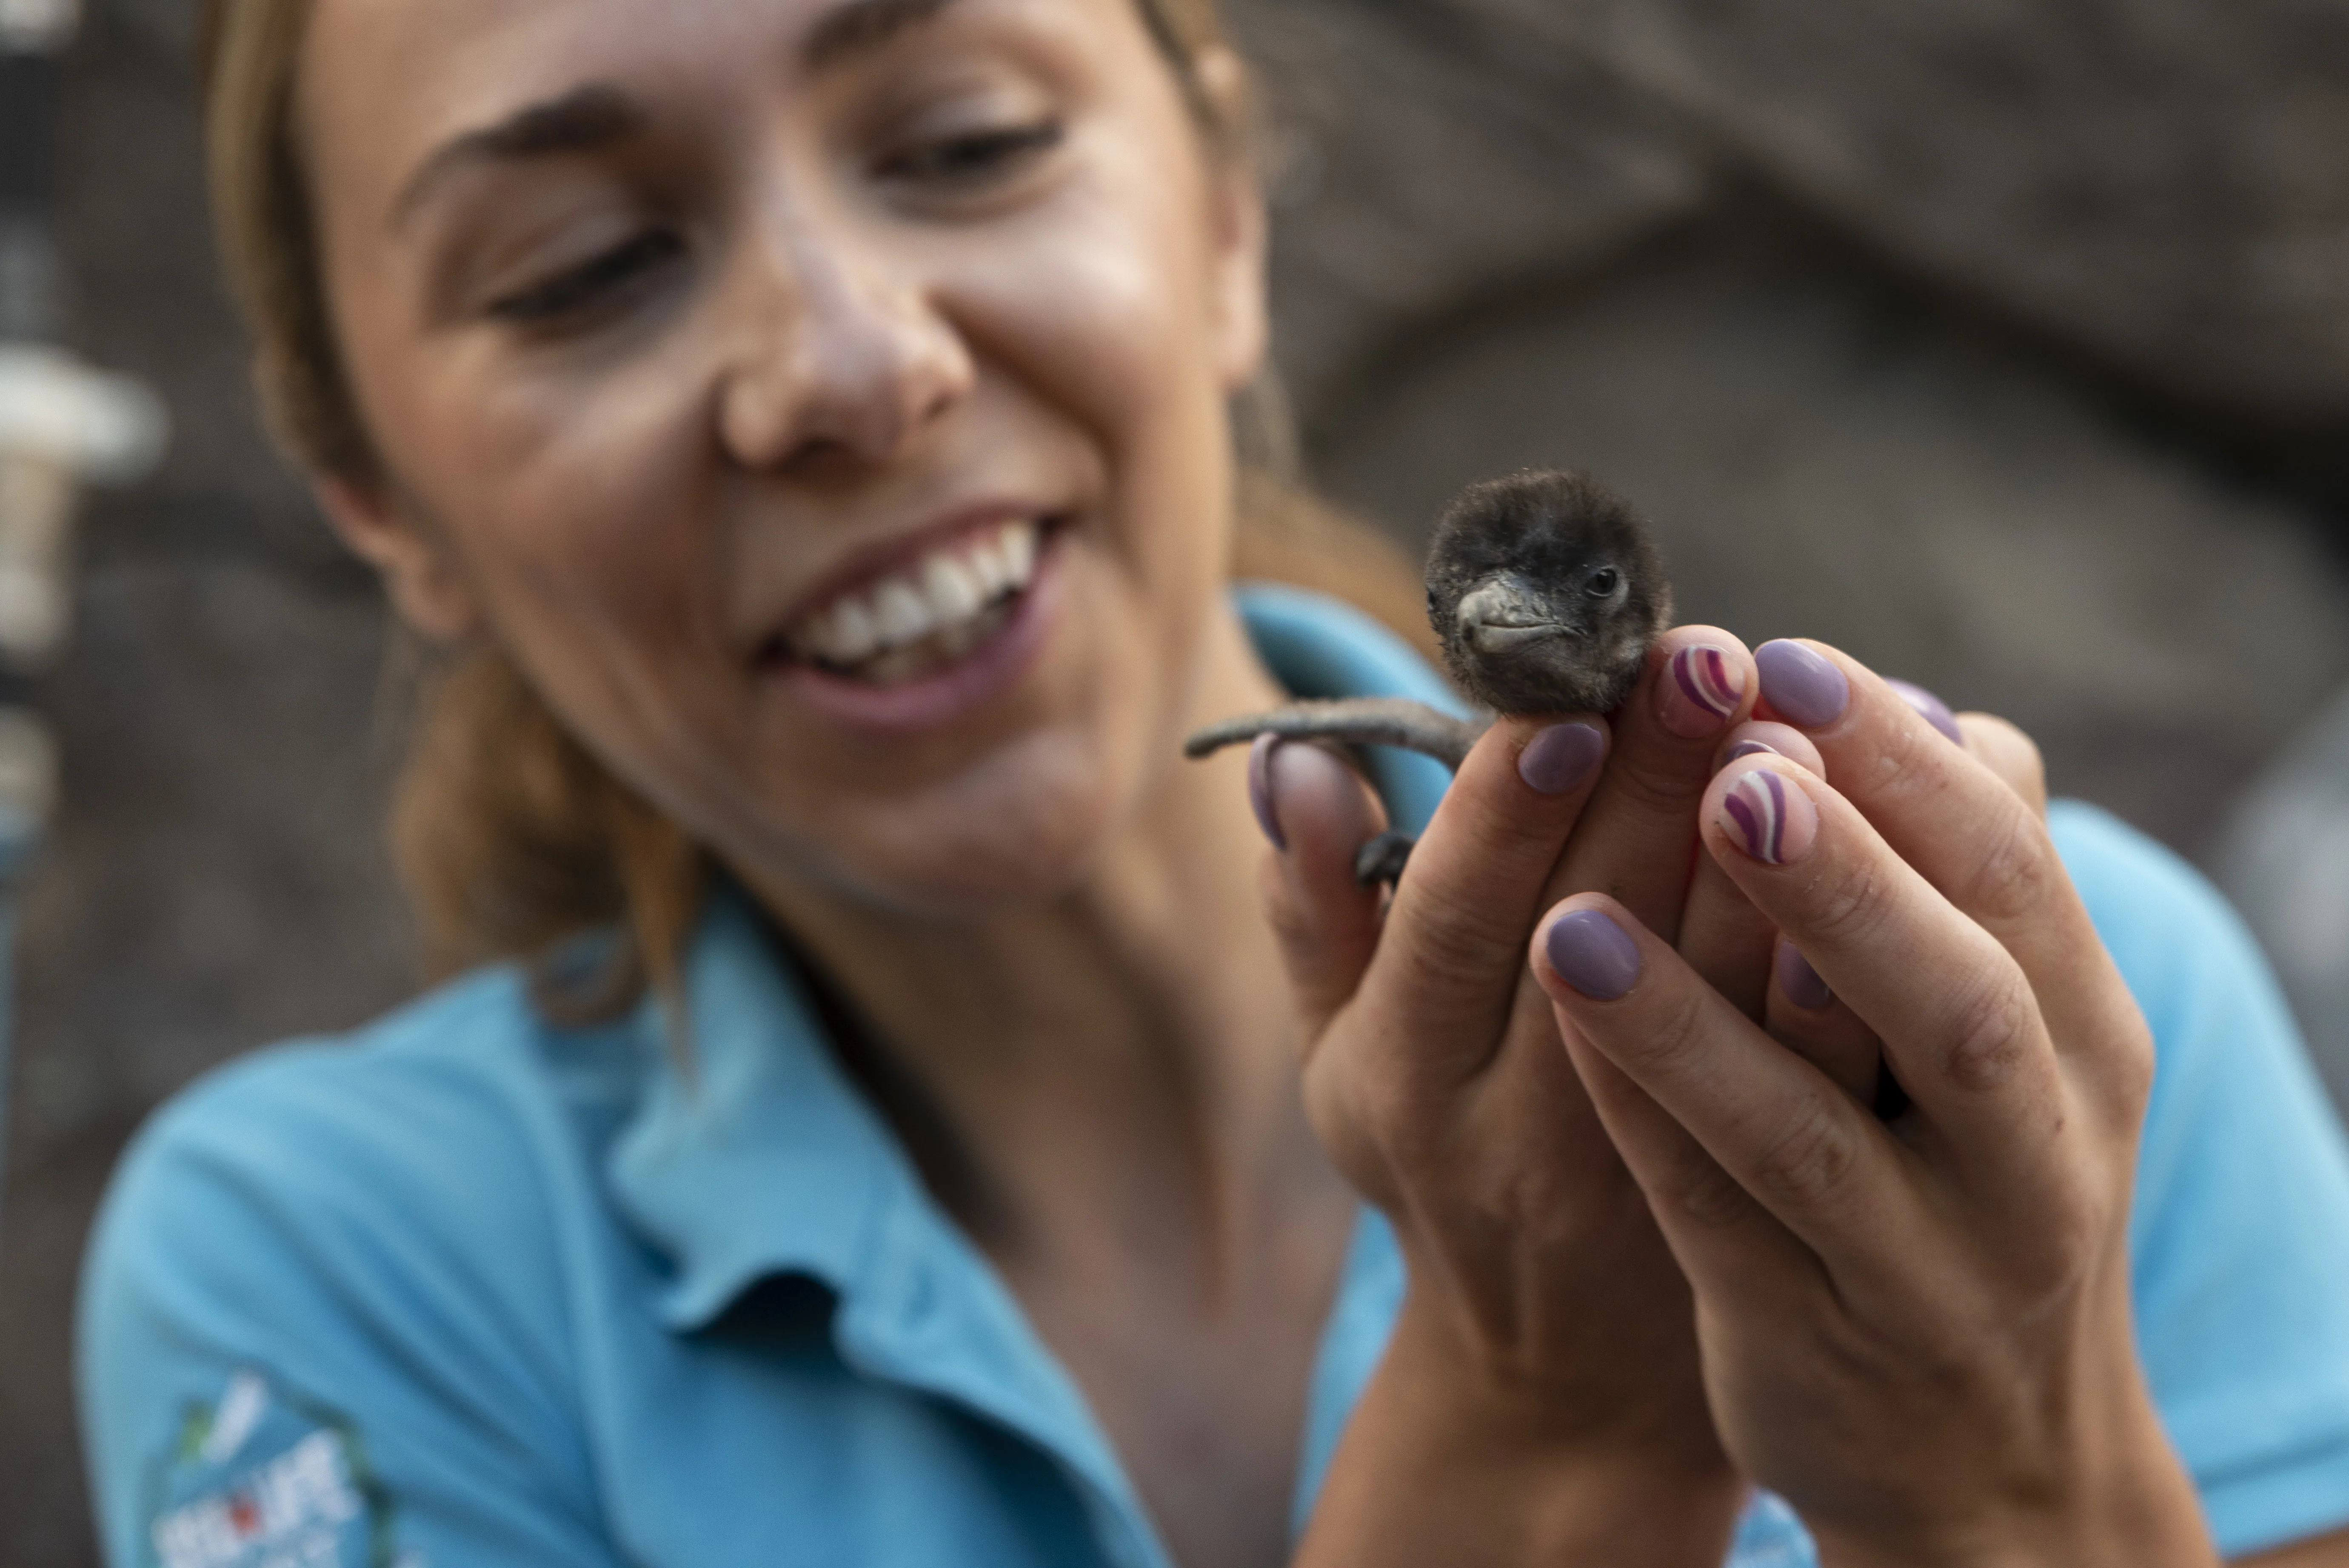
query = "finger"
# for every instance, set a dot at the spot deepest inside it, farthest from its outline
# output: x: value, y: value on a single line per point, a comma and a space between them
x: 1316, y: 810
x: 1757, y: 736
x: 1640, y: 825
x: 1796, y: 1144
x: 1719, y: 1234
x: 1723, y: 936
x: 1948, y: 815
x: 1958, y: 1018
x: 2010, y: 754
x: 1449, y: 959
x: 1804, y: 1016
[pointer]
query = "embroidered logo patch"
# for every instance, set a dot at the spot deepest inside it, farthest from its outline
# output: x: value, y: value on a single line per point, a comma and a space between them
x: 260, y: 1480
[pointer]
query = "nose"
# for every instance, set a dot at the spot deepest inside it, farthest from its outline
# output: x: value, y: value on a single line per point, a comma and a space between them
x: 839, y: 355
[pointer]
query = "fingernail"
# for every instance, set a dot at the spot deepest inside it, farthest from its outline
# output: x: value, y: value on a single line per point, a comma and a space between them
x: 1803, y: 687
x: 1798, y: 980
x: 1701, y: 689
x: 1593, y: 954
x: 1770, y: 817
x: 1936, y: 712
x: 1557, y: 761
x: 1750, y: 749
x: 1260, y: 790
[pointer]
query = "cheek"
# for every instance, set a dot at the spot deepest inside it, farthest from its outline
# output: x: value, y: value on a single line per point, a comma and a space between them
x: 1105, y: 302
x: 575, y: 506
x: 1106, y: 314
x: 551, y: 482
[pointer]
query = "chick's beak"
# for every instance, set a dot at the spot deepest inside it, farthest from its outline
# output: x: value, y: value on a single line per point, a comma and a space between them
x: 1507, y: 612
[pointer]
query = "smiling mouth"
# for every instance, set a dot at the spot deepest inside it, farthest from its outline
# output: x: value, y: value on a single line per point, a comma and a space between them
x: 923, y: 616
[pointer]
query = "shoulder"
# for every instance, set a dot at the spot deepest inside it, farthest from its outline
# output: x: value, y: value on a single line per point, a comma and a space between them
x: 428, y: 1109
x: 2230, y: 1072
x: 371, y: 1228
x: 320, y: 1169
x: 2240, y: 1241
x: 449, y: 1128
x: 2172, y: 934
x: 2226, y: 1042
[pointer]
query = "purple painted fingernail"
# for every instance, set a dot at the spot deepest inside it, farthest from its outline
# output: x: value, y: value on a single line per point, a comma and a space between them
x: 1750, y: 749
x: 1803, y: 687
x: 1770, y: 817
x: 1593, y: 954
x: 1700, y: 691
x: 1260, y: 790
x: 1557, y: 761
x: 1798, y: 980
x: 1936, y: 712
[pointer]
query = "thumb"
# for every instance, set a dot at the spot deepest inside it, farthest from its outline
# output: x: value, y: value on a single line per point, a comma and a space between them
x: 1318, y: 813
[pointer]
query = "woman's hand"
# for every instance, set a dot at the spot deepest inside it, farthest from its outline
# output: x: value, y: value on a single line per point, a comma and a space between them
x: 1542, y: 1396
x: 1917, y: 1331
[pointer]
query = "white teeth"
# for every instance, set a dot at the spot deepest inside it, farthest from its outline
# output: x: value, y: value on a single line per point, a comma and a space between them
x: 944, y: 596
x: 952, y: 590
x: 902, y: 613
x: 1018, y: 544
x: 986, y: 564
x: 848, y: 635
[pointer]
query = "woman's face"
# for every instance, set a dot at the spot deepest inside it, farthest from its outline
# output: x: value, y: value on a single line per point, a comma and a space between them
x: 824, y: 402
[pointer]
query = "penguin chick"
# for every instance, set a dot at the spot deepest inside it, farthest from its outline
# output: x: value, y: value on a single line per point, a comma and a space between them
x: 1545, y: 589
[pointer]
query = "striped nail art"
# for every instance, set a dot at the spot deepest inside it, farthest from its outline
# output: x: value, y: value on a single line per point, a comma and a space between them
x: 1773, y: 820
x: 1699, y: 691
x: 1702, y: 673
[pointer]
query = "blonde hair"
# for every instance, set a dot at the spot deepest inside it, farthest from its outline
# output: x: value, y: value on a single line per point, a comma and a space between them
x: 511, y: 837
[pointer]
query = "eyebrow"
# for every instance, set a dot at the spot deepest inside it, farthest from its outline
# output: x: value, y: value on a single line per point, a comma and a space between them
x: 860, y: 26
x: 592, y: 116
x: 597, y: 114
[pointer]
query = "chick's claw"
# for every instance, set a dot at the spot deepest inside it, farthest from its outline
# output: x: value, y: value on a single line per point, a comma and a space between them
x: 1383, y: 857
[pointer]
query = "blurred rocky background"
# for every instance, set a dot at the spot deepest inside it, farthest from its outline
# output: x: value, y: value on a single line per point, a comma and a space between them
x: 2006, y: 346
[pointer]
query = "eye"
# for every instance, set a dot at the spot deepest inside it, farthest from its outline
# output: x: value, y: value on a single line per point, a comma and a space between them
x: 972, y: 157
x: 1602, y: 583
x: 598, y: 281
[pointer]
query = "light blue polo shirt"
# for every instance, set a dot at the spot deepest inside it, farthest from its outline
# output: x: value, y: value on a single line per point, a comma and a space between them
x: 466, y: 1289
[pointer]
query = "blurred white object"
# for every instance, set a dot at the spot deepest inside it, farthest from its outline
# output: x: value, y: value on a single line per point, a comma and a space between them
x: 61, y: 425
x: 37, y: 26
x: 105, y: 429
x: 2284, y: 861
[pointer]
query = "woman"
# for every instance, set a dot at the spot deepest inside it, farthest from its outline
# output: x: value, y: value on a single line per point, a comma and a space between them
x: 805, y: 423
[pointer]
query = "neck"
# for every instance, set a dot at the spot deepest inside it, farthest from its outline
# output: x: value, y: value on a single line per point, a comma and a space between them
x: 1106, y: 1080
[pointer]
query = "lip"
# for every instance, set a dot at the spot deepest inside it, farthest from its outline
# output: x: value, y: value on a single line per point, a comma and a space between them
x: 869, y: 563
x: 958, y: 688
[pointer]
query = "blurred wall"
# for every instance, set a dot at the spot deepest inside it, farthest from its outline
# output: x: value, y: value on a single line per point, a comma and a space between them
x: 2007, y: 346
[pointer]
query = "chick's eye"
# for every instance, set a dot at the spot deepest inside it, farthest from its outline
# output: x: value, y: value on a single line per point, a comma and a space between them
x: 1602, y: 583
x: 972, y: 157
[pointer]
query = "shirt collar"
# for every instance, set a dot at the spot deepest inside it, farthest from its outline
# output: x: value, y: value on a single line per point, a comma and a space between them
x: 764, y: 1159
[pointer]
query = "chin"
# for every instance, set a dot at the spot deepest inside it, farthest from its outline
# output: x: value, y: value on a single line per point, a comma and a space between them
x: 1020, y: 839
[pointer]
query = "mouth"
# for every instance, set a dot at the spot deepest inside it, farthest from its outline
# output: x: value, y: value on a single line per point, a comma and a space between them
x: 924, y: 616
x: 1504, y: 637
x: 1505, y: 615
